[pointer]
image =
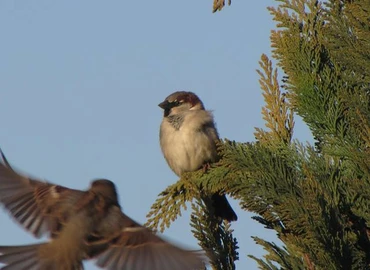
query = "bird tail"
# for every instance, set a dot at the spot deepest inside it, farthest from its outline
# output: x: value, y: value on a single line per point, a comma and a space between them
x: 34, y: 257
x: 223, y: 208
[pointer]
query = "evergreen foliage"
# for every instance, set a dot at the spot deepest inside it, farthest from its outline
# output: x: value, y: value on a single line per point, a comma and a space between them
x: 316, y: 197
x: 219, y: 4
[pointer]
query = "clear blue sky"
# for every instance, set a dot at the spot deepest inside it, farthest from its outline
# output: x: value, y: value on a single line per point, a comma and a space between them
x: 80, y: 82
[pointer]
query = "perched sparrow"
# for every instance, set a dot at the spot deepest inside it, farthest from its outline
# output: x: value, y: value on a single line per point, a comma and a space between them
x: 82, y: 225
x: 188, y: 141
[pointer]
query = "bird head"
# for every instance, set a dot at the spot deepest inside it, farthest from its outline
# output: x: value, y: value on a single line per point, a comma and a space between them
x: 106, y: 188
x: 179, y: 102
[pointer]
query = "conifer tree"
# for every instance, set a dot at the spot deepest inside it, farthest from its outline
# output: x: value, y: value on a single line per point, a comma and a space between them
x: 316, y: 197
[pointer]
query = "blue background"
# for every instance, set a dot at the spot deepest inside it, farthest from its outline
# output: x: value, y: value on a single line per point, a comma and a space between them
x: 80, y: 82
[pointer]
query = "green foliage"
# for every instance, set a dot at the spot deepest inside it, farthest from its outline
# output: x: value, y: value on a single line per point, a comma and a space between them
x: 316, y: 198
x: 276, y: 113
x: 276, y: 253
x: 323, y: 51
x: 168, y: 206
x: 213, y: 237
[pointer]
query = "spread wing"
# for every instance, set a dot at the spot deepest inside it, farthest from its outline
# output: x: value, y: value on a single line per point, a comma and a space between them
x: 40, y: 207
x: 135, y: 247
x: 29, y: 257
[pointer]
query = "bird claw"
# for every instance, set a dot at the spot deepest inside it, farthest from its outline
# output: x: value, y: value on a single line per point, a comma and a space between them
x: 206, y: 167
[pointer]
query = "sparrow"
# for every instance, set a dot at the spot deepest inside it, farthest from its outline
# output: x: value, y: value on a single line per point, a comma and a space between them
x: 188, y: 138
x: 82, y: 225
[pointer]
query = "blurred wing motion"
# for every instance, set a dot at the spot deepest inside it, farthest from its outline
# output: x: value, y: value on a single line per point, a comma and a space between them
x: 19, y: 257
x: 83, y: 224
x: 28, y: 258
x: 40, y: 207
x: 135, y: 247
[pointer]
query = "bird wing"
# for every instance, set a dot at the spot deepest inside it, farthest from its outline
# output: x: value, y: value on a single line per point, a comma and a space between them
x: 29, y: 257
x: 39, y: 206
x: 138, y: 248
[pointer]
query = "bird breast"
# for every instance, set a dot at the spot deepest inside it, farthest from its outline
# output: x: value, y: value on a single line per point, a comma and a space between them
x: 188, y: 146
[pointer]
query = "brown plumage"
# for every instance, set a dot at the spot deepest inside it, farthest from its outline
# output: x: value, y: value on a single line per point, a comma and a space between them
x: 82, y: 225
x: 188, y: 138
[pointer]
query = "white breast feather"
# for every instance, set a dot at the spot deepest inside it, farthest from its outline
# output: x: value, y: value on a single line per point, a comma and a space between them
x: 188, y: 148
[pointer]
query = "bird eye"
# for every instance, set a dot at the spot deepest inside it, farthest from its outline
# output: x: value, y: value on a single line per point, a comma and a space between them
x: 175, y: 102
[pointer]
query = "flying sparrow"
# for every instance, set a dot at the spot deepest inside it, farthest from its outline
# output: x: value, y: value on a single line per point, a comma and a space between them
x: 82, y: 225
x: 188, y: 141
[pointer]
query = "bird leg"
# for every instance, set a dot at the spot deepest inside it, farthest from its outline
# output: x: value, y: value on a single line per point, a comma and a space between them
x: 206, y: 167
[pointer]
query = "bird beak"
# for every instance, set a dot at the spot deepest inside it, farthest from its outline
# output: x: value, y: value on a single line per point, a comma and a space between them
x: 164, y: 104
